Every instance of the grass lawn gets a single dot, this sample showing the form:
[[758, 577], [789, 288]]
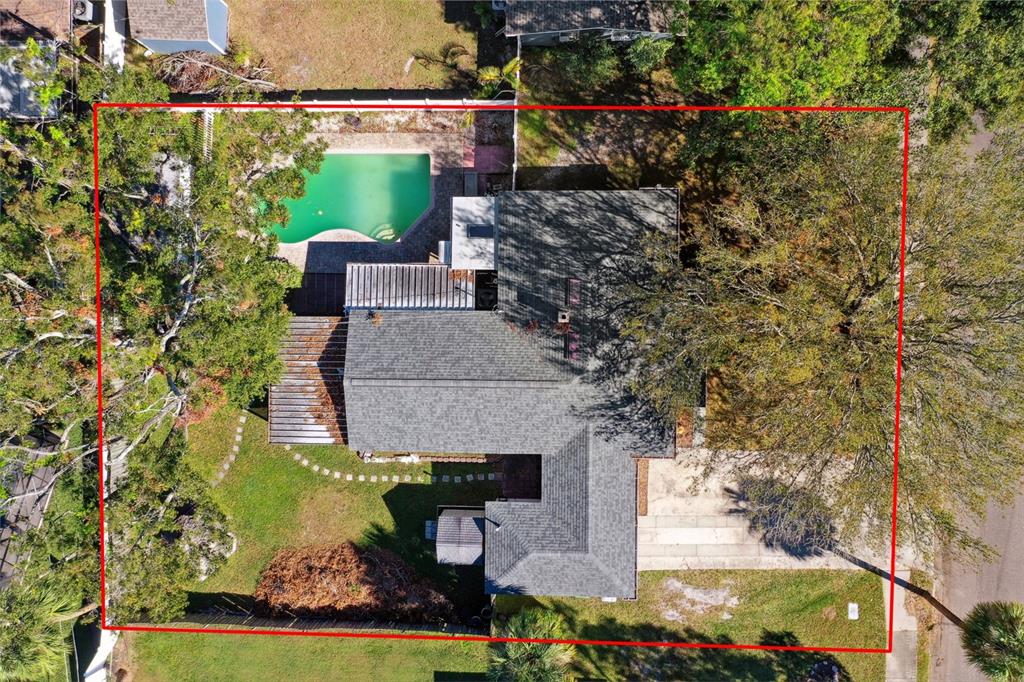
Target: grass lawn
[[215, 658], [800, 607], [311, 44], [273, 502]]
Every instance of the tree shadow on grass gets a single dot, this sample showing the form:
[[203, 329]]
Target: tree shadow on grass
[[698, 664], [411, 505]]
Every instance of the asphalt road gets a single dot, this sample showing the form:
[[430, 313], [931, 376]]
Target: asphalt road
[[963, 586]]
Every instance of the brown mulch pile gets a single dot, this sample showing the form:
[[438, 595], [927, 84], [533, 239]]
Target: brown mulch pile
[[684, 429], [642, 476], [349, 583]]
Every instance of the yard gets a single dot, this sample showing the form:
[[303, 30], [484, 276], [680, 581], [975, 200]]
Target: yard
[[186, 657], [800, 607], [588, 149], [325, 44], [273, 501]]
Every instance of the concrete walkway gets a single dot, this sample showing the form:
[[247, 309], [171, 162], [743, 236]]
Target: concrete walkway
[[700, 529], [901, 664]]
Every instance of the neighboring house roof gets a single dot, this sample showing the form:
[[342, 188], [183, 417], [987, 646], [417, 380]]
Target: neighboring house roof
[[460, 537], [523, 17], [179, 24], [39, 19], [505, 383]]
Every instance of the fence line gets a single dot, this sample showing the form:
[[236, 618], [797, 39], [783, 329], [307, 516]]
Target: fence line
[[250, 622], [372, 104]]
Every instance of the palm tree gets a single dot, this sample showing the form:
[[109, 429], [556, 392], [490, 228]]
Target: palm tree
[[492, 78], [993, 639], [33, 637], [527, 661]]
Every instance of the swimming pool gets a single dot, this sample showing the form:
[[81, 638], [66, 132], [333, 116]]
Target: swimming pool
[[377, 195]]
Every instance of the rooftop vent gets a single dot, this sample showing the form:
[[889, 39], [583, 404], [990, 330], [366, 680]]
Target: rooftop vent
[[563, 317]]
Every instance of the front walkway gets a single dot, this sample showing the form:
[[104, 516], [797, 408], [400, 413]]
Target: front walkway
[[701, 529], [901, 664]]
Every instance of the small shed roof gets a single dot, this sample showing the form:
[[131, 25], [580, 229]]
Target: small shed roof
[[460, 537]]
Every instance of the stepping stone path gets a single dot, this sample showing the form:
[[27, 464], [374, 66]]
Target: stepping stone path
[[406, 478], [225, 466]]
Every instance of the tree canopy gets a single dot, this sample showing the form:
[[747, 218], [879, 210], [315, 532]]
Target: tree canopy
[[993, 639], [782, 53], [35, 620], [192, 291], [165, 532], [790, 306], [523, 661], [976, 55]]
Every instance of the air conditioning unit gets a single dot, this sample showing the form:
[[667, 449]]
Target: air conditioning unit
[[567, 37], [85, 12]]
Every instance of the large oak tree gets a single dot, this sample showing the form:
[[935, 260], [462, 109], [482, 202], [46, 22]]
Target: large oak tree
[[790, 306]]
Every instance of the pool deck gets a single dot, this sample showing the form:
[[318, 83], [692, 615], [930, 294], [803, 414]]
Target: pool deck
[[330, 252]]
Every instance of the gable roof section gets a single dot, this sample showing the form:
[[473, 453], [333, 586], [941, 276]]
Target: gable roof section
[[37, 19], [580, 539], [596, 238], [453, 381], [523, 17]]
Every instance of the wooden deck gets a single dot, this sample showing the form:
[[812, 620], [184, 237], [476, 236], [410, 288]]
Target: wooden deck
[[308, 404]]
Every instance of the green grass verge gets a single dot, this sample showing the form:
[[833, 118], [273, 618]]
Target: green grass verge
[[927, 619], [800, 607], [214, 658]]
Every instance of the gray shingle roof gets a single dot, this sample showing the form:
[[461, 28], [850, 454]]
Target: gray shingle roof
[[500, 383], [524, 17], [168, 19], [592, 556], [460, 537]]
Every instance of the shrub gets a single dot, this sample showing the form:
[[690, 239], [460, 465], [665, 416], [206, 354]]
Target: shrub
[[526, 661], [647, 54], [590, 62]]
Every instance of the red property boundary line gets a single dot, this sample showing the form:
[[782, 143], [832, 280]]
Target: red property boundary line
[[520, 107]]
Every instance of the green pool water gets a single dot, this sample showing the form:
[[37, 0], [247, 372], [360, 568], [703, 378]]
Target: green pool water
[[379, 195]]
